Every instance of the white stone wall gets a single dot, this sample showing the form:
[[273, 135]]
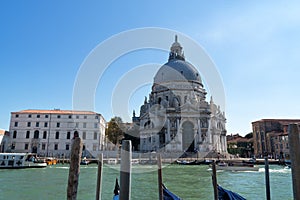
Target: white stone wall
[[91, 128]]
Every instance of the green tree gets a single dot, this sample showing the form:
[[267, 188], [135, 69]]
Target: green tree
[[249, 135], [114, 130]]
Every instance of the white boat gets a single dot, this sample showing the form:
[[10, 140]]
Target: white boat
[[135, 161], [20, 161], [112, 161], [236, 167]]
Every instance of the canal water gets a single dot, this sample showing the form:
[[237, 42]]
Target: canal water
[[188, 182]]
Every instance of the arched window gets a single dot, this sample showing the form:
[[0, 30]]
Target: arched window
[[15, 134], [36, 134]]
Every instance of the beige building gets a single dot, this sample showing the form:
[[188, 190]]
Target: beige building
[[50, 132], [271, 137]]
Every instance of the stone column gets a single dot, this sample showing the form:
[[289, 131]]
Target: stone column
[[168, 131], [199, 131]]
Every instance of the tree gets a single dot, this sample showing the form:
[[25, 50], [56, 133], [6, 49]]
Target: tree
[[249, 135], [114, 130]]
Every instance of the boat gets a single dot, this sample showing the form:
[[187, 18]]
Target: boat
[[168, 195], [186, 162], [51, 161], [20, 161], [135, 161], [227, 194], [193, 162], [112, 161], [236, 167], [84, 161]]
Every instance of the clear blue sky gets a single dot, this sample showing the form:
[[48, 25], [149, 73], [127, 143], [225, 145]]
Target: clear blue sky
[[255, 46]]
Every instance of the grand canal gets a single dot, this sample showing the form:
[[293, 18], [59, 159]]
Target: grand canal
[[188, 182]]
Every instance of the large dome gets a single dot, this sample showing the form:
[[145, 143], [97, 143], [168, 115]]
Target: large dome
[[177, 70]]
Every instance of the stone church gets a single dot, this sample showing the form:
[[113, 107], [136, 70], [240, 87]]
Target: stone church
[[176, 117]]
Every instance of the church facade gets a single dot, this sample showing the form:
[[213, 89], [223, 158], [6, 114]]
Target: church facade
[[176, 117]]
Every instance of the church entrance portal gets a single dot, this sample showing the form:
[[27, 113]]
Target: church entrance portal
[[188, 137]]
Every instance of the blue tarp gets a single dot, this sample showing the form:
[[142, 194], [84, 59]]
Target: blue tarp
[[169, 195], [224, 194]]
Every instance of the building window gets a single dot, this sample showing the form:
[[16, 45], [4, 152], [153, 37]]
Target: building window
[[77, 125], [70, 116], [13, 145], [84, 125], [67, 147], [27, 134], [95, 135], [58, 116], [96, 125], [43, 146], [37, 124], [29, 116], [55, 146], [77, 116], [38, 116], [46, 124], [26, 146], [57, 124], [17, 115], [44, 134], [28, 124], [15, 134], [84, 117], [68, 135], [96, 117], [94, 147], [46, 116], [16, 124], [57, 135], [84, 135], [36, 134]]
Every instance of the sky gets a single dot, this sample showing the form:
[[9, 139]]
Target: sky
[[254, 45]]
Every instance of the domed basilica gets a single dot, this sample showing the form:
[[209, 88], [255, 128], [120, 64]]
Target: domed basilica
[[176, 117]]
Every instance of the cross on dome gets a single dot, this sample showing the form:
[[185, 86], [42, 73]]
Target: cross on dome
[[176, 50]]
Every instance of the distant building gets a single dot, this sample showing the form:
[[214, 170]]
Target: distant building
[[177, 117], [240, 146], [50, 132], [271, 137]]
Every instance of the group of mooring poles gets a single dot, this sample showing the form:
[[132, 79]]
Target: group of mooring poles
[[74, 170], [294, 147], [125, 169]]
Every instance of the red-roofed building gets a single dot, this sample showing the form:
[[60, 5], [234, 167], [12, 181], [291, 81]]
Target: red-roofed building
[[240, 146]]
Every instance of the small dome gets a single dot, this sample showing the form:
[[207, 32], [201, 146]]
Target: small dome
[[177, 70]]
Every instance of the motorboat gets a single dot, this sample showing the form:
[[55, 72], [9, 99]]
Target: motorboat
[[84, 161], [236, 167], [20, 161]]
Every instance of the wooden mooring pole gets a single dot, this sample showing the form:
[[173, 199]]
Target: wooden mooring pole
[[74, 169], [214, 180], [125, 171], [294, 146], [159, 173], [267, 178], [99, 177]]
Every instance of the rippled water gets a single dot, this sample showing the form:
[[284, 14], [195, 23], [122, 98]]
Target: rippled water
[[188, 182]]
